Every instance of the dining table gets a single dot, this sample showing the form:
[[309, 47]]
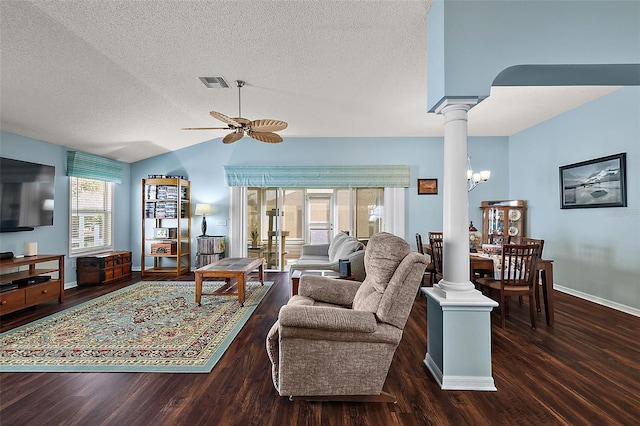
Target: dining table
[[483, 265]]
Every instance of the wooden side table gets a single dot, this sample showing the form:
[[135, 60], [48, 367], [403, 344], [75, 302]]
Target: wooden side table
[[210, 249], [255, 251]]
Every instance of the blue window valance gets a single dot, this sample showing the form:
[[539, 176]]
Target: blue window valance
[[89, 166], [318, 176]]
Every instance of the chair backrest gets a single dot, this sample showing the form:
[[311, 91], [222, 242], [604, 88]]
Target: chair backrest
[[394, 274], [436, 242], [419, 243], [527, 240], [518, 264]]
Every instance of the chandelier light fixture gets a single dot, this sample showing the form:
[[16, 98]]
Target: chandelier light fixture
[[474, 179]]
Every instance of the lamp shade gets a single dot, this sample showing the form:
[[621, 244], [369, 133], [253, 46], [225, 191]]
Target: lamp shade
[[47, 205], [203, 209]]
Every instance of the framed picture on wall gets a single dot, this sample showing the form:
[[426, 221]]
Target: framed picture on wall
[[601, 182], [427, 186]]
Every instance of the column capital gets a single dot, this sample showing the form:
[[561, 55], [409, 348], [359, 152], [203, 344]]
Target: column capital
[[448, 104]]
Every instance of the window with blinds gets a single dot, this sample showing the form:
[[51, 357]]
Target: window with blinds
[[91, 216]]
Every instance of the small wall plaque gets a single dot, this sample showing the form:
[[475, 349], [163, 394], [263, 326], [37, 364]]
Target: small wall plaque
[[427, 186]]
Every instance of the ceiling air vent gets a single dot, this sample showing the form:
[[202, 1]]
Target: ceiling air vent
[[214, 82]]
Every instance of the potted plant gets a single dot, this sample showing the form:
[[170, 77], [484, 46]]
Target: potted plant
[[254, 237]]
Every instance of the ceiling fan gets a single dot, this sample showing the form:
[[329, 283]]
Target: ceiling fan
[[261, 130]]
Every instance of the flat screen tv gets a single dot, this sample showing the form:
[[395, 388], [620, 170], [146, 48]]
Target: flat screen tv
[[26, 195]]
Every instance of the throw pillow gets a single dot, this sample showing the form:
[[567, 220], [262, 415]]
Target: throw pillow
[[336, 243], [346, 248]]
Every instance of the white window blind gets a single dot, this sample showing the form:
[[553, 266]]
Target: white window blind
[[91, 218]]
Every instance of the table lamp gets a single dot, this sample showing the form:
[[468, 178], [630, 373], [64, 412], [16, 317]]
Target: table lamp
[[203, 209]]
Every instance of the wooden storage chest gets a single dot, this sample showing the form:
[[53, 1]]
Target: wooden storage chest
[[104, 268]]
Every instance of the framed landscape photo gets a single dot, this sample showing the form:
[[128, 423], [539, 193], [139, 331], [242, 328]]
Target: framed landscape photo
[[427, 186], [601, 182]]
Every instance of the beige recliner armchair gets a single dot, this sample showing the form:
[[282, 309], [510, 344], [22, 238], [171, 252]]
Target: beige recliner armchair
[[335, 340]]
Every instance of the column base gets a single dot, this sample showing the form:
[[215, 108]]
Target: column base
[[459, 340], [474, 383], [457, 291]]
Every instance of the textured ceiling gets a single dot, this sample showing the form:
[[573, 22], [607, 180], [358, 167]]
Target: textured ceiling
[[120, 78]]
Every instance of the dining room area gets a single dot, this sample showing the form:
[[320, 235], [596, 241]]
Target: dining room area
[[503, 262]]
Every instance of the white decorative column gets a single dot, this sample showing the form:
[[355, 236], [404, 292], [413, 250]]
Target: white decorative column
[[455, 267], [458, 316]]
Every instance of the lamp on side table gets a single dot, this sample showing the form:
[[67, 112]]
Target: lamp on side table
[[203, 209]]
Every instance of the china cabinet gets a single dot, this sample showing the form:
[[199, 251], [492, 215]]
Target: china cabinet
[[502, 219]]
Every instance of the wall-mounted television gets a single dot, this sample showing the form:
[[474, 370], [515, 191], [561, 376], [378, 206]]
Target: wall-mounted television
[[26, 195]]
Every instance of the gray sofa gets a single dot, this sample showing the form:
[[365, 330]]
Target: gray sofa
[[327, 256]]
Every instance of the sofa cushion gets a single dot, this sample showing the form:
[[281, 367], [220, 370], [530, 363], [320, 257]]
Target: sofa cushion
[[347, 247], [336, 243], [313, 259]]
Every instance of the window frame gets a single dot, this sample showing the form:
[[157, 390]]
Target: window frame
[[109, 195]]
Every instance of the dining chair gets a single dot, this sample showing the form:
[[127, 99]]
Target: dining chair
[[436, 243], [514, 277], [430, 270], [536, 283]]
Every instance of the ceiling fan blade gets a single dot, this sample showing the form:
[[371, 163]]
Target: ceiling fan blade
[[242, 121], [206, 128], [234, 136], [266, 137], [267, 125], [230, 121]]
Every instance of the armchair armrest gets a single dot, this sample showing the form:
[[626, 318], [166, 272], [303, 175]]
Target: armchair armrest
[[328, 290], [314, 250], [324, 318]]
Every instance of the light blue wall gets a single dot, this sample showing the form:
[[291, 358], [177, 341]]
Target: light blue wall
[[596, 250], [203, 165], [55, 239], [470, 42]]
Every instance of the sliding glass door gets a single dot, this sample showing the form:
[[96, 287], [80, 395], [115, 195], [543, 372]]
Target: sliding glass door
[[280, 220], [319, 223]]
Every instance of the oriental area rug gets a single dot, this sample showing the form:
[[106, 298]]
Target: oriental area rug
[[146, 327]]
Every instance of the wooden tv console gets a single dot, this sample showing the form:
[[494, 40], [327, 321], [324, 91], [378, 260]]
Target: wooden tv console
[[27, 295]]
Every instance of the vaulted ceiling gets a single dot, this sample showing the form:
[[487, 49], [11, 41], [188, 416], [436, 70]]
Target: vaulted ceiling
[[121, 78]]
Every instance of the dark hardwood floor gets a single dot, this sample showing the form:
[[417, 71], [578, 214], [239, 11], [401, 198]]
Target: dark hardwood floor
[[585, 370]]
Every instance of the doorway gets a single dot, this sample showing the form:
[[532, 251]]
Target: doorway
[[319, 226]]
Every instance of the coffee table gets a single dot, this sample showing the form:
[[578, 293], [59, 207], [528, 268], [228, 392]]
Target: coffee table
[[230, 268], [329, 273]]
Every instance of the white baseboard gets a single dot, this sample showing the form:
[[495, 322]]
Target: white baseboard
[[600, 301]]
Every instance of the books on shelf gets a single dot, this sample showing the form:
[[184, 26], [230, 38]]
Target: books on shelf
[[162, 210]]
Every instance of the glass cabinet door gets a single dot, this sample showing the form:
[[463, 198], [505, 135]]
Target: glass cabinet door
[[514, 228], [502, 219]]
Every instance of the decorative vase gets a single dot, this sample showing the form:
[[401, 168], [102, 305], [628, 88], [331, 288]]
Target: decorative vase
[[475, 239]]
